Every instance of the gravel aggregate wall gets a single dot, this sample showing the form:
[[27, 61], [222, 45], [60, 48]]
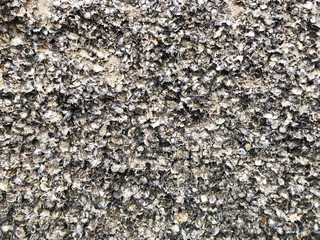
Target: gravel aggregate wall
[[160, 119]]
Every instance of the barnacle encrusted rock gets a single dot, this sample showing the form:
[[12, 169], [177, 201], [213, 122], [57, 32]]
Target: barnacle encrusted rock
[[159, 119]]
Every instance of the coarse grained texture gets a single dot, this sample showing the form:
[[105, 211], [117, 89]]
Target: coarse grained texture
[[146, 119]]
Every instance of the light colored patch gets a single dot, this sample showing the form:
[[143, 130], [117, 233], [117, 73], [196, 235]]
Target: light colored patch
[[17, 40], [235, 10], [186, 44], [1, 80], [101, 53], [4, 185], [42, 7], [316, 72], [181, 217], [110, 67], [133, 12], [113, 77], [83, 53], [4, 39]]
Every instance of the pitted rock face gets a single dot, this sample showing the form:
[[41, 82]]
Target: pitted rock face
[[159, 119]]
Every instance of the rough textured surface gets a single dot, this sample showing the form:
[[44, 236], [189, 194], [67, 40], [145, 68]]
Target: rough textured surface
[[159, 119]]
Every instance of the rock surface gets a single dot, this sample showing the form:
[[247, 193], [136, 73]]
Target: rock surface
[[151, 119]]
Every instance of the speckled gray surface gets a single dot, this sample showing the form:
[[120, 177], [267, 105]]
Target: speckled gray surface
[[150, 119]]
